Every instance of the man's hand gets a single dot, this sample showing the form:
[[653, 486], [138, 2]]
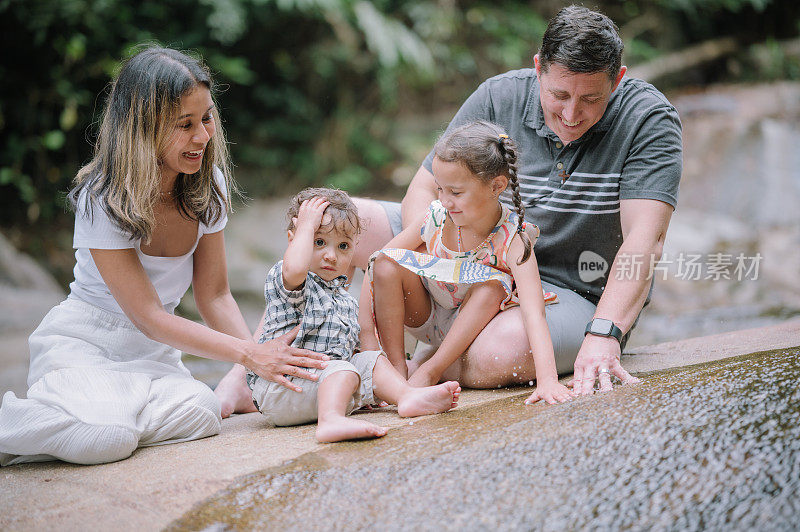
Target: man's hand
[[598, 359]]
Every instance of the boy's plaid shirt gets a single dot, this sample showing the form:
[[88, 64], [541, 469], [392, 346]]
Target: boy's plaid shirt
[[326, 312]]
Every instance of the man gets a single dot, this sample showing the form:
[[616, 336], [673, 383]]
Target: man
[[600, 159]]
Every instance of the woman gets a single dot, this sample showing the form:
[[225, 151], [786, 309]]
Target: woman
[[106, 374]]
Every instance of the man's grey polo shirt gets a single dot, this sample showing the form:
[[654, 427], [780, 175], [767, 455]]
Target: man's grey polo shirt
[[572, 192]]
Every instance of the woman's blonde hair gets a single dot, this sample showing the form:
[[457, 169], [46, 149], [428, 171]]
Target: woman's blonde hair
[[124, 176]]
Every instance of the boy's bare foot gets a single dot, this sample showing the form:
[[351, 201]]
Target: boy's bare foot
[[429, 400], [347, 428], [233, 393]]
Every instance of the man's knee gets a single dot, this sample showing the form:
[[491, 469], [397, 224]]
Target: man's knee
[[376, 231], [507, 325], [499, 351]]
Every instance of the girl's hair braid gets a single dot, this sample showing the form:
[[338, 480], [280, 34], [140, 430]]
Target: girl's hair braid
[[508, 149], [486, 151]]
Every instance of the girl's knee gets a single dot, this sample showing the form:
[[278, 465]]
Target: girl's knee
[[384, 269], [499, 352], [490, 292]]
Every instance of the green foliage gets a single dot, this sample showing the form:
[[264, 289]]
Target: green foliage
[[711, 6], [313, 91], [287, 67]]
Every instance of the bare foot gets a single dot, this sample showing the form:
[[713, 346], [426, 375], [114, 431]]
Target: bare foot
[[347, 428], [429, 400], [233, 393]]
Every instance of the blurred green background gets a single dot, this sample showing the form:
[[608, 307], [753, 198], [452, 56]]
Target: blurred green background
[[340, 92]]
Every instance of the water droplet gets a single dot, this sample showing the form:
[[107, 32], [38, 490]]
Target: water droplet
[[530, 383], [514, 373]]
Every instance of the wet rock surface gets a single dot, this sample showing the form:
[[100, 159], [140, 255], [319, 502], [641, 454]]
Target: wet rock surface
[[712, 446]]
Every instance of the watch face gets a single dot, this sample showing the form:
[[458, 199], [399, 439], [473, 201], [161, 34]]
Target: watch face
[[601, 326]]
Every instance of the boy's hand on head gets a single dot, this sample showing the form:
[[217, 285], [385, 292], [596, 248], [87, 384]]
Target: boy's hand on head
[[298, 255], [309, 217]]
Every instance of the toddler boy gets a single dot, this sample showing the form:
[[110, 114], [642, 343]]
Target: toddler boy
[[308, 287]]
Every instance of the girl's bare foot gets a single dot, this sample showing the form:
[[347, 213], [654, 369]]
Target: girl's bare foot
[[429, 400], [339, 428], [233, 393]]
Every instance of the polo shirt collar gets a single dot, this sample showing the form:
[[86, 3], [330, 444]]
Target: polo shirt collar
[[534, 114]]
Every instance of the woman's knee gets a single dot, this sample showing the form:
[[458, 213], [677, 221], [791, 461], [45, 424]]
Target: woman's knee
[[204, 397], [181, 409], [97, 444], [203, 403]]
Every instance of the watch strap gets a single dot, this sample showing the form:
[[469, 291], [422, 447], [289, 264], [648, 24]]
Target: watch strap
[[615, 332]]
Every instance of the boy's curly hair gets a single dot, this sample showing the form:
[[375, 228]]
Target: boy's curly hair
[[343, 212]]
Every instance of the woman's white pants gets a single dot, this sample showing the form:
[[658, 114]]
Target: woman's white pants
[[98, 389]]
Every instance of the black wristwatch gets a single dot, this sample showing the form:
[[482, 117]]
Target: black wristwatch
[[603, 327]]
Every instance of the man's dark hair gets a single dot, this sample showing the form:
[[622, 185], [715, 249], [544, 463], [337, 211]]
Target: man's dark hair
[[582, 41]]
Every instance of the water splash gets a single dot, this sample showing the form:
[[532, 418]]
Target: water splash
[[713, 446]]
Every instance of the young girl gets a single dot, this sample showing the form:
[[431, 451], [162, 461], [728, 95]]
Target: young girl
[[478, 262], [106, 374]]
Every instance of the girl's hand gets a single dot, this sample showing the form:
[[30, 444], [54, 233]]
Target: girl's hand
[[309, 217], [551, 392], [274, 359]]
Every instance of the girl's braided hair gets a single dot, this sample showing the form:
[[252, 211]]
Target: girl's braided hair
[[486, 151]]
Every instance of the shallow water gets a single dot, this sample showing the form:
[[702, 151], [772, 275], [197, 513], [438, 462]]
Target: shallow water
[[713, 446]]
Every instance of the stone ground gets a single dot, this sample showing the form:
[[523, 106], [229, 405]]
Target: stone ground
[[159, 484]]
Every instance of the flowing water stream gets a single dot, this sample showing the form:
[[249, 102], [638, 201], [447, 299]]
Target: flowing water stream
[[714, 446]]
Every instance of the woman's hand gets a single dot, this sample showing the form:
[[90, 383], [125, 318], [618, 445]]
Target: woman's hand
[[275, 359], [551, 392]]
